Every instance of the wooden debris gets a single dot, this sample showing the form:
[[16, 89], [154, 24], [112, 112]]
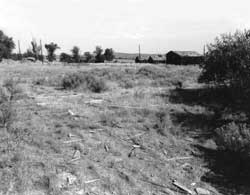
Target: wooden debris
[[94, 101], [182, 187], [106, 147], [136, 146], [96, 130], [72, 141], [201, 191], [131, 152], [41, 104], [71, 113], [71, 135], [179, 158], [75, 159], [77, 154], [166, 190], [91, 181], [164, 152]]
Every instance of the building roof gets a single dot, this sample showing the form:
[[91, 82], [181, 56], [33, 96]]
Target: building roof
[[187, 53], [158, 57]]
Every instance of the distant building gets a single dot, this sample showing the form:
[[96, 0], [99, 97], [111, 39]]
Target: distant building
[[157, 59], [151, 58], [183, 57]]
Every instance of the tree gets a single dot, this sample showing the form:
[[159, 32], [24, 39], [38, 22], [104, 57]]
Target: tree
[[88, 56], [227, 61], [51, 48], [137, 59], [64, 57], [36, 49], [99, 57], [6, 46], [109, 54], [76, 54]]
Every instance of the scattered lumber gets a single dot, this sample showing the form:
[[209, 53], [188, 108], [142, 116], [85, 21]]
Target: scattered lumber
[[182, 187], [201, 191], [71, 135], [72, 141], [179, 158], [91, 181], [106, 147]]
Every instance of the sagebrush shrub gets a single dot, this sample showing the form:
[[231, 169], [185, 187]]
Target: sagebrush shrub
[[12, 87], [81, 80], [95, 84], [234, 137]]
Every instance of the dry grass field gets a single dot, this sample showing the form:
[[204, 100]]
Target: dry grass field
[[118, 129]]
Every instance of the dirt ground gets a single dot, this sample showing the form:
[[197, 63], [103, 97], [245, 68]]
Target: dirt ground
[[134, 138]]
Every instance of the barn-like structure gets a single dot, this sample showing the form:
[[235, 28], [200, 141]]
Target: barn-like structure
[[183, 57], [157, 59]]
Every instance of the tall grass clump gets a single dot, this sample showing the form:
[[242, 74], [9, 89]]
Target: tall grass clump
[[9, 91], [83, 81]]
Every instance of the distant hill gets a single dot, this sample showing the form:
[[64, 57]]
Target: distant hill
[[132, 56]]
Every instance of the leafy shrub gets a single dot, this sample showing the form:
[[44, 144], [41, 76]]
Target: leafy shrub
[[234, 137], [109, 54], [94, 84], [77, 80], [65, 58], [227, 60], [51, 48], [99, 57], [76, 54], [88, 57], [6, 46]]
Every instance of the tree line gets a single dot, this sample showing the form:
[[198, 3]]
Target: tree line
[[34, 53]]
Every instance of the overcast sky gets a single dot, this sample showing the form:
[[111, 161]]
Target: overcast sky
[[158, 25]]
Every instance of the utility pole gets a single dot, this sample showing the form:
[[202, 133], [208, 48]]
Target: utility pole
[[19, 51], [139, 52], [41, 49], [204, 50]]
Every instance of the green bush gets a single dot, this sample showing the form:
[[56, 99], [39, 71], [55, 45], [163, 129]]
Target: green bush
[[227, 61], [6, 46], [81, 80], [51, 48], [76, 54], [109, 54], [64, 57]]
